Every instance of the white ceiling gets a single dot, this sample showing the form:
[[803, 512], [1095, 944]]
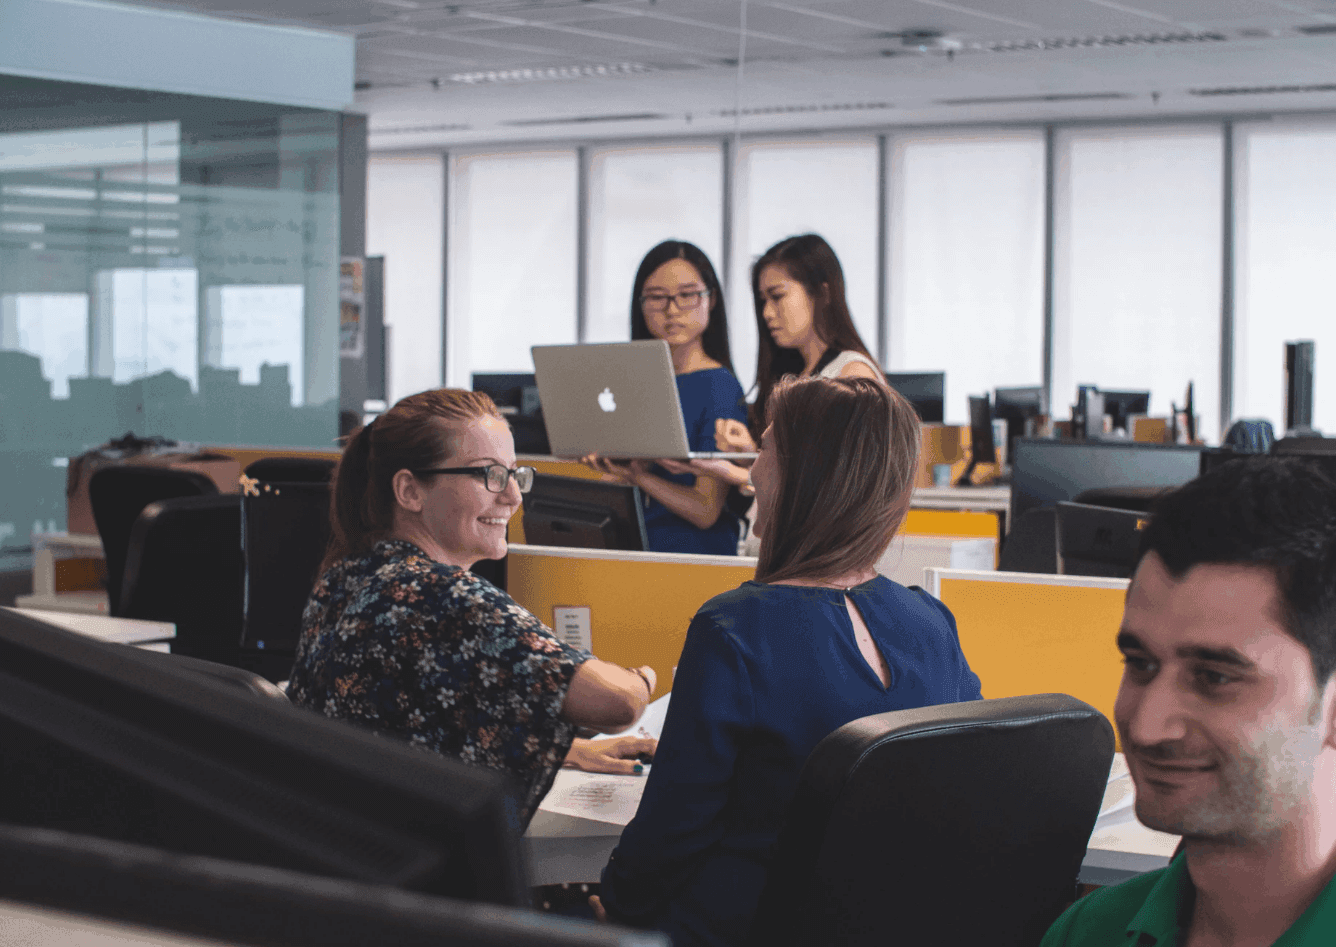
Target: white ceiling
[[636, 68]]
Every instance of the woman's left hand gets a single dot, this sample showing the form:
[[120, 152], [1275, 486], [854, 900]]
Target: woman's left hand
[[617, 755], [600, 912], [625, 473]]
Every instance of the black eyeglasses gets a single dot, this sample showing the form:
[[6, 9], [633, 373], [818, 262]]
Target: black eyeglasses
[[494, 476], [689, 299]]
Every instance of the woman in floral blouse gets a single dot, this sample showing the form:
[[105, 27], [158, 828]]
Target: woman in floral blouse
[[398, 635]]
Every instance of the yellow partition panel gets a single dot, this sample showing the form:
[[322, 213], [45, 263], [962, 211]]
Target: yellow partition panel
[[640, 603], [1029, 636], [951, 523]]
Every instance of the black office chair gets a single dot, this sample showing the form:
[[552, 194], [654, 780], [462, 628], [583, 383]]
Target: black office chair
[[183, 565], [227, 675], [284, 530], [955, 826], [1031, 543], [292, 470], [118, 494]]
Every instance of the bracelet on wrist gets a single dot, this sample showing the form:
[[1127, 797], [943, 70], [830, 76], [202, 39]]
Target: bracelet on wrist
[[640, 673]]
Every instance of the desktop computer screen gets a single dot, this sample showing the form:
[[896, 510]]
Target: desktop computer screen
[[1098, 540], [102, 740], [1121, 405], [1018, 406], [926, 391], [1046, 471], [516, 396], [589, 514]]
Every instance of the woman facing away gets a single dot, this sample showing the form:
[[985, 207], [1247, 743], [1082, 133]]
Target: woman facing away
[[770, 669], [676, 298], [399, 636]]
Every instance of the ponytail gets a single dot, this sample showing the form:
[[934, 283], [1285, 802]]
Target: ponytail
[[412, 435]]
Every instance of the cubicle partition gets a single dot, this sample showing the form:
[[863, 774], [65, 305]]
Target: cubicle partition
[[1035, 634]]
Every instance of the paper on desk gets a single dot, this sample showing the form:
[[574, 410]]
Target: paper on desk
[[1119, 796], [598, 796], [650, 723]]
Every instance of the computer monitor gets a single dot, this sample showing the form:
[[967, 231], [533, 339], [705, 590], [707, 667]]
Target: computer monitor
[[1121, 405], [982, 448], [1019, 407], [1045, 471], [516, 396], [59, 888], [103, 740], [589, 514], [1299, 358], [926, 391], [1098, 540], [1088, 419]]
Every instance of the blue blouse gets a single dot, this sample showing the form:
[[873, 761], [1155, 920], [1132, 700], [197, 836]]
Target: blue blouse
[[767, 672], [705, 395]]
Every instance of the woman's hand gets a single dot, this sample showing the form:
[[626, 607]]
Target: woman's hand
[[620, 755], [731, 435], [600, 912], [631, 473]]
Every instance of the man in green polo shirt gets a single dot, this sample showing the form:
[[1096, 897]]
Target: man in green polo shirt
[[1227, 714]]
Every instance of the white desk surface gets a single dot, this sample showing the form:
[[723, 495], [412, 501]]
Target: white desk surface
[[133, 631], [988, 499], [564, 848]]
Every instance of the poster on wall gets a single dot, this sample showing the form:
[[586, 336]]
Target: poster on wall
[[352, 302]]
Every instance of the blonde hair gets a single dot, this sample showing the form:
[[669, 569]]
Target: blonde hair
[[415, 434], [847, 453]]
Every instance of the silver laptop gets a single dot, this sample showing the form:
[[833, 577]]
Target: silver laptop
[[618, 400]]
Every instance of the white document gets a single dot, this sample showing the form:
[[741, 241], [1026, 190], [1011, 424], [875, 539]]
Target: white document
[[650, 724], [598, 796]]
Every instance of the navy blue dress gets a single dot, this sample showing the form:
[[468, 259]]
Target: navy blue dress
[[767, 672], [705, 395]]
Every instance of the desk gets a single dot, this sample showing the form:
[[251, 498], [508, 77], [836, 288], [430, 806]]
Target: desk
[[988, 499], [152, 635], [564, 848]]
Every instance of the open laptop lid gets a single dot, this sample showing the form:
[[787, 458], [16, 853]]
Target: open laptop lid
[[615, 399]]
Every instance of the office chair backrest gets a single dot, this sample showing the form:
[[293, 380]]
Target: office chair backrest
[[284, 529], [183, 565], [118, 494], [291, 470], [227, 675], [955, 826], [1030, 545]]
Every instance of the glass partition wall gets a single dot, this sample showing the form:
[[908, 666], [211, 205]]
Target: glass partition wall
[[168, 267]]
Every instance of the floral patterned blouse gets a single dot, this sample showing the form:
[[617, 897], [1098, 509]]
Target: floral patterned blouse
[[432, 653]]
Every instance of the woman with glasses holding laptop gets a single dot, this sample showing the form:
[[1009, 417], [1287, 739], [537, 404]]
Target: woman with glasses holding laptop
[[400, 636], [677, 298], [768, 670]]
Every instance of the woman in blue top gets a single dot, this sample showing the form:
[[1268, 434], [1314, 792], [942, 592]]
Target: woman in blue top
[[677, 298], [769, 669]]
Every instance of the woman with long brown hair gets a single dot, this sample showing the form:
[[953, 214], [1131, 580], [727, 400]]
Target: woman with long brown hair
[[400, 636], [768, 670]]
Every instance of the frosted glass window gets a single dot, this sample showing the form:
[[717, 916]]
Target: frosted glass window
[[512, 260], [1137, 272], [52, 326], [1286, 253], [966, 261], [146, 322], [638, 199], [250, 327], [823, 187]]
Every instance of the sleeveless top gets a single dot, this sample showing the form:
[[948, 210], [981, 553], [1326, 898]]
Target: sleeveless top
[[841, 361]]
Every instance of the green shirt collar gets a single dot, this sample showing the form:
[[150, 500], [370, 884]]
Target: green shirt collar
[[1165, 913]]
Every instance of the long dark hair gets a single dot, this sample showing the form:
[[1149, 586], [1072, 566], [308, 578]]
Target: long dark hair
[[714, 340], [847, 454], [414, 434], [809, 260]]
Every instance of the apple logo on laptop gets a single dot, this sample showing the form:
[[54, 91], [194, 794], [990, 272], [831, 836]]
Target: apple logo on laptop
[[606, 401]]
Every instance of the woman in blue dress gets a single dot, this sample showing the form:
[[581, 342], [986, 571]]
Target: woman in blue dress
[[677, 298], [770, 669]]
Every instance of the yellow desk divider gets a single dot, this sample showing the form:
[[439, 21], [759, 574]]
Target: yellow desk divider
[[950, 523], [1024, 633], [640, 602]]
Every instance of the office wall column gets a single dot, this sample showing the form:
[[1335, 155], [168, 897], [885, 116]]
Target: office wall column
[[581, 243], [726, 254], [446, 204], [883, 232], [1227, 282], [1050, 258]]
